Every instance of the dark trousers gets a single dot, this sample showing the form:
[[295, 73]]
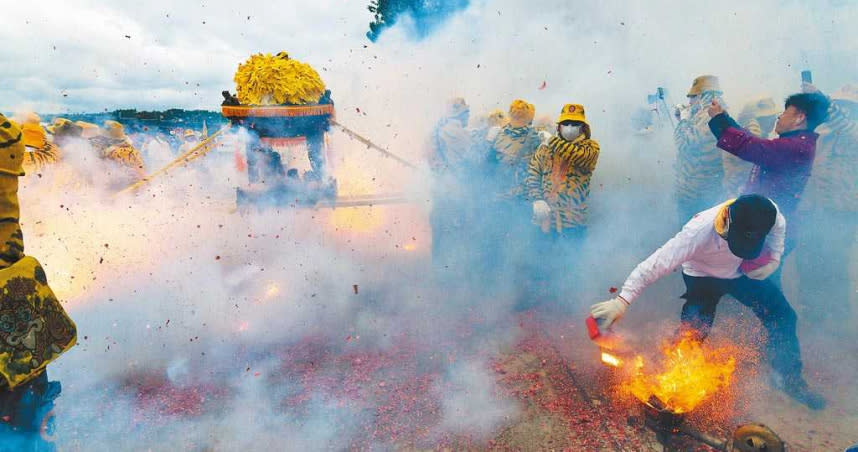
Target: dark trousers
[[765, 300], [504, 241], [553, 267]]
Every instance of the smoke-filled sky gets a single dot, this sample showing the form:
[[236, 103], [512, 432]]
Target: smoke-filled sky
[[173, 281], [87, 55]]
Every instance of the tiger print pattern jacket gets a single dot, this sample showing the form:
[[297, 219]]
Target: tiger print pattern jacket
[[559, 173], [833, 183], [699, 171], [509, 157]]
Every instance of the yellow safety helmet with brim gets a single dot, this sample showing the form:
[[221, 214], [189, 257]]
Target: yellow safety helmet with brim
[[521, 113], [573, 112], [703, 84], [114, 129]]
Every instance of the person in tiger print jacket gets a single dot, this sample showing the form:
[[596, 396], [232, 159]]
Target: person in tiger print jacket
[[558, 185], [699, 171], [505, 214], [512, 147], [112, 144], [41, 153], [558, 177]]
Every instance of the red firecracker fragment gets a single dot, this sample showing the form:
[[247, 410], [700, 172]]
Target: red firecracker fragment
[[612, 290], [355, 288], [543, 85]]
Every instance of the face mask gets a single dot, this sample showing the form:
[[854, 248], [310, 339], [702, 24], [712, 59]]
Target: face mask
[[569, 132]]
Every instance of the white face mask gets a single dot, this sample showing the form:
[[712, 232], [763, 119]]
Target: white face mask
[[569, 131]]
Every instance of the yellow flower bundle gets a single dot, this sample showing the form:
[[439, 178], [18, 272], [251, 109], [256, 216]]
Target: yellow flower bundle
[[276, 80]]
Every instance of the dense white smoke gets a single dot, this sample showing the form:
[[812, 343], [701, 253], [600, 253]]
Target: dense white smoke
[[171, 283]]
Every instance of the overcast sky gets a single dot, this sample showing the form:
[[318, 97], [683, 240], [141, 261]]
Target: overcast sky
[[79, 55], [89, 55]]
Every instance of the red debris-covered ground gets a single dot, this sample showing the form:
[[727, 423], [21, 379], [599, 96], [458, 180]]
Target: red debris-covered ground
[[394, 395]]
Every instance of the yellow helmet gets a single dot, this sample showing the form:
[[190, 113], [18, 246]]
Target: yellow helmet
[[573, 112], [34, 135], [704, 83], [58, 124], [114, 129], [88, 129], [11, 148], [64, 127], [496, 118], [521, 113], [846, 92], [189, 133]]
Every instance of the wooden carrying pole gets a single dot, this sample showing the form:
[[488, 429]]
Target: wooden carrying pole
[[188, 156], [372, 145]]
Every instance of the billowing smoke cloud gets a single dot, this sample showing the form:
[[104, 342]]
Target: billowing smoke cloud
[[424, 15], [205, 327]]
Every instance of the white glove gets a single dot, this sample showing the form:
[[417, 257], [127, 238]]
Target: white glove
[[541, 210], [609, 311], [544, 136], [763, 272], [682, 112], [492, 133]]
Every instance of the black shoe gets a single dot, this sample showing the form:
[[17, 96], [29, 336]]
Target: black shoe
[[797, 388]]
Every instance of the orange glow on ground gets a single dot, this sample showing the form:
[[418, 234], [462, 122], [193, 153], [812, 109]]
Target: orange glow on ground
[[687, 375]]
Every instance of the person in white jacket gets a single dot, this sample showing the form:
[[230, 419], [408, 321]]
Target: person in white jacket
[[731, 248]]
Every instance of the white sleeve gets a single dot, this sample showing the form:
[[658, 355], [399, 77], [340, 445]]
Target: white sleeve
[[775, 239], [664, 260]]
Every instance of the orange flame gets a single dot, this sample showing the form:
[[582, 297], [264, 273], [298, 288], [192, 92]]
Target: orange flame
[[689, 375], [611, 360]]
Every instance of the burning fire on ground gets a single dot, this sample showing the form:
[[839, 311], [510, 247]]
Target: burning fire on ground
[[686, 375]]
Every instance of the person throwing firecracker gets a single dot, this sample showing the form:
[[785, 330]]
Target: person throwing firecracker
[[729, 249]]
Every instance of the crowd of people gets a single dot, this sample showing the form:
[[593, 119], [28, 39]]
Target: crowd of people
[[749, 191], [511, 187], [127, 156]]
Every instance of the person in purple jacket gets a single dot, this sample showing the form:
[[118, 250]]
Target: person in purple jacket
[[782, 165]]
